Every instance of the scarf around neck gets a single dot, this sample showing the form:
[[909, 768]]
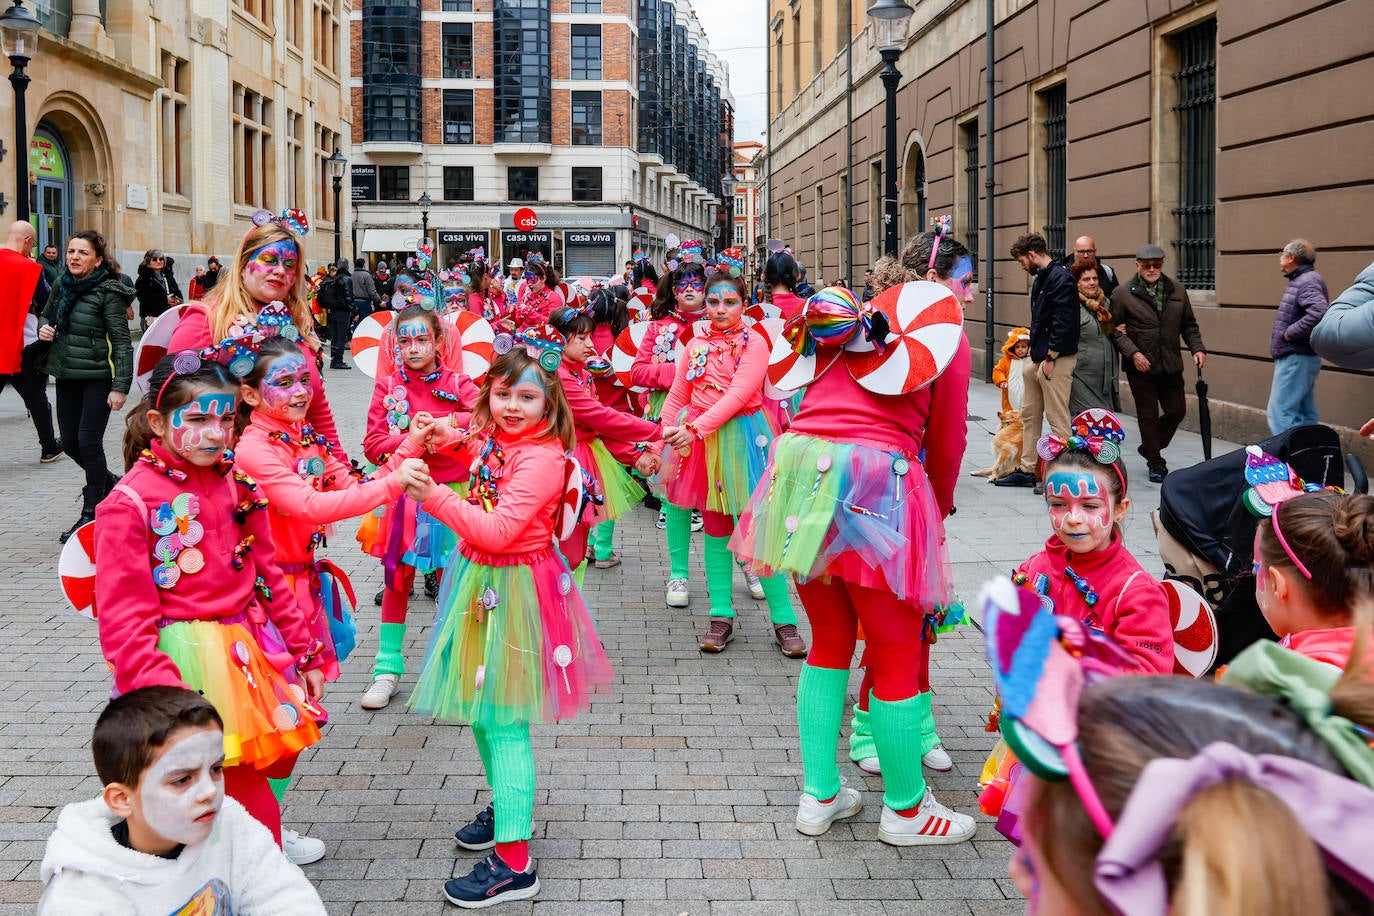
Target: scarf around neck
[[68, 290]]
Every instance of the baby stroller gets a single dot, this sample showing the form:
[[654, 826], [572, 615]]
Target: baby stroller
[[1206, 535]]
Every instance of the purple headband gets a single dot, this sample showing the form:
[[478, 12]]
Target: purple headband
[[1334, 810]]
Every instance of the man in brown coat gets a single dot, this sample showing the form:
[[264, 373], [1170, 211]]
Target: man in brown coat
[[1152, 312]]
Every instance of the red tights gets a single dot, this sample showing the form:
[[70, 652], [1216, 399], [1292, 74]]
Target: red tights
[[898, 659], [249, 787], [395, 600], [718, 524]]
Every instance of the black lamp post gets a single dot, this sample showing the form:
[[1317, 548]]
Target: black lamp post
[[337, 164], [19, 33], [890, 22], [425, 202]]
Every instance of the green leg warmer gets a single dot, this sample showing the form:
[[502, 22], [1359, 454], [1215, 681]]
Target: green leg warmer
[[679, 533], [479, 736], [720, 577], [897, 731], [279, 786], [820, 710], [603, 539], [928, 736], [780, 608], [861, 745], [512, 779], [578, 573], [391, 656]]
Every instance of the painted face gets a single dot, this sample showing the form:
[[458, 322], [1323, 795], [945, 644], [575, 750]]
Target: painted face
[[285, 388], [690, 292], [519, 409], [960, 280], [724, 306], [417, 342], [579, 348], [200, 430], [271, 271], [1081, 510], [180, 794]]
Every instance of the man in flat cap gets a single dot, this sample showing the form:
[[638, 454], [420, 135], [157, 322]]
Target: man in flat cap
[[1152, 312]]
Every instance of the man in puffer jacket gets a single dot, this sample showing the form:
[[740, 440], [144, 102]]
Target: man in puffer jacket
[[1291, 398]]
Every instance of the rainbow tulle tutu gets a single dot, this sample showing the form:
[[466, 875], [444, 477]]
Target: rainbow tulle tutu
[[512, 642], [404, 532], [325, 596], [721, 471], [654, 406], [613, 481], [266, 714], [864, 514]]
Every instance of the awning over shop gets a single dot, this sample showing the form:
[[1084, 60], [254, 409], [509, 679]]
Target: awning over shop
[[389, 239]]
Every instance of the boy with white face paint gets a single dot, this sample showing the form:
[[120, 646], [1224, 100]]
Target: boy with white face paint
[[162, 837]]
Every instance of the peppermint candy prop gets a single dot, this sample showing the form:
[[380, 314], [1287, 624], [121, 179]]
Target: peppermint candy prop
[[367, 339], [573, 502], [1196, 637], [153, 345], [641, 301], [76, 570], [625, 350], [471, 340], [926, 325]]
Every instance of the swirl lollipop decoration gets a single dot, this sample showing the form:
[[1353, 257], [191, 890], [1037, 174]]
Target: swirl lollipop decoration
[[292, 218]]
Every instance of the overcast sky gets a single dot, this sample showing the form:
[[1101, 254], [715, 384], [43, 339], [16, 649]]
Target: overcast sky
[[737, 31]]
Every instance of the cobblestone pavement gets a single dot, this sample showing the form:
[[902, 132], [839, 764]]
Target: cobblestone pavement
[[676, 794]]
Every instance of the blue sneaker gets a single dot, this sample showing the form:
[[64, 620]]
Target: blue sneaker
[[490, 882], [481, 833]]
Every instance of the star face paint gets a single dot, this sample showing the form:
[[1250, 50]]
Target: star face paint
[[271, 271], [518, 409], [724, 306], [180, 794], [1081, 510], [200, 430], [418, 346], [285, 388]]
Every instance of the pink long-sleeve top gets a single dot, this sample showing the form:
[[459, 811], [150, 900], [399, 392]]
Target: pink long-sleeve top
[[529, 491], [130, 602], [300, 504], [193, 333], [1331, 645], [608, 390], [593, 420], [731, 382], [439, 394], [933, 419], [652, 370], [1132, 607], [790, 304]]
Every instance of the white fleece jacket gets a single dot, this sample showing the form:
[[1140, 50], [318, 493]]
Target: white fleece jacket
[[238, 870]]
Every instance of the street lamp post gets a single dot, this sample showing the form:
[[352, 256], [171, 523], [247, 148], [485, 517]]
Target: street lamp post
[[890, 22], [337, 164], [19, 33], [425, 202]]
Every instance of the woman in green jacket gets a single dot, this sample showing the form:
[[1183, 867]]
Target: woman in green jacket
[[92, 360]]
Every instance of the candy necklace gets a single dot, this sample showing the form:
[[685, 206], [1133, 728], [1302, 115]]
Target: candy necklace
[[484, 476], [161, 466]]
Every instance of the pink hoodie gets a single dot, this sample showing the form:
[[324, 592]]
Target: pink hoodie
[[448, 392], [1331, 645]]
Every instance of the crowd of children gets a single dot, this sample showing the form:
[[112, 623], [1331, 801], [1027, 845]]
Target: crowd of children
[[1182, 796]]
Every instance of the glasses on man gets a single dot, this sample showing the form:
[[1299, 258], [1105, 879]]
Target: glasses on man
[[1152, 264]]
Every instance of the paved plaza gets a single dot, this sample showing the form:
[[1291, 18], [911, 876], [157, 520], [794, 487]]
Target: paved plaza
[[676, 794]]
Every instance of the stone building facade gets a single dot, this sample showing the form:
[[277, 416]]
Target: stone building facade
[[1217, 129]]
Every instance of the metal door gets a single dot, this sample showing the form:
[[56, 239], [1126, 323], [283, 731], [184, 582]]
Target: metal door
[[54, 213]]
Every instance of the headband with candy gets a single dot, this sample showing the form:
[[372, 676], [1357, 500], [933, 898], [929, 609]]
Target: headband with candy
[[533, 257], [639, 255], [1272, 483], [833, 318], [291, 219], [478, 254], [943, 225], [1095, 431], [732, 261], [239, 351], [544, 344], [689, 251]]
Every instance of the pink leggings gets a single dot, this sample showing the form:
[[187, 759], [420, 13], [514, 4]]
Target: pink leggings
[[249, 787], [898, 658]]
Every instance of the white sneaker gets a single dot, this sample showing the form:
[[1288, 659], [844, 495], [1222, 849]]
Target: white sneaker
[[301, 850], [815, 817], [933, 825], [755, 586], [677, 594], [871, 766], [383, 688], [937, 758], [662, 521], [697, 523]]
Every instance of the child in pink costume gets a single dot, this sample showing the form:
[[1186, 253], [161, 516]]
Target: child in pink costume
[[611, 313], [207, 608], [307, 488], [409, 538], [607, 439], [720, 436]]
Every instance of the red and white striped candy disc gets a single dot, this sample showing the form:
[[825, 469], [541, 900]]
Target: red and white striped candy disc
[[641, 300], [788, 370], [1196, 639], [367, 345], [469, 348], [570, 506], [76, 569], [926, 324], [760, 311], [770, 329], [153, 345], [626, 349]]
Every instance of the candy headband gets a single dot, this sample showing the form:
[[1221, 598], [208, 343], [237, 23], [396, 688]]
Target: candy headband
[[543, 344], [239, 351], [732, 262], [1095, 431], [689, 251], [943, 226], [291, 219], [1272, 483]]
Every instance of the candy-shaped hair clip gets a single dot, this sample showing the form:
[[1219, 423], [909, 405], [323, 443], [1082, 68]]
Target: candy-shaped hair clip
[[1095, 431], [292, 218]]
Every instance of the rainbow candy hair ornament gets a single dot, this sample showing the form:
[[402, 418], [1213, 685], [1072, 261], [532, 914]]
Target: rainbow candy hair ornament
[[731, 261], [690, 251], [292, 219], [544, 344], [239, 351], [478, 254], [832, 318]]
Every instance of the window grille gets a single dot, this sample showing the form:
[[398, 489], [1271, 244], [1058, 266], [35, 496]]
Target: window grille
[[1196, 110], [1056, 144]]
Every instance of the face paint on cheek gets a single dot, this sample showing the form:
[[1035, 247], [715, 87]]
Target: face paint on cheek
[[285, 382], [1073, 489], [186, 437], [185, 813], [283, 254]]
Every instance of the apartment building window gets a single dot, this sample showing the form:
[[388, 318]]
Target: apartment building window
[[327, 142], [1196, 110], [586, 183], [649, 68], [777, 66], [393, 182], [796, 51], [586, 6], [457, 6], [739, 234], [817, 224], [176, 126], [253, 165], [457, 50], [260, 10], [458, 183], [739, 205], [391, 71], [586, 119], [295, 22], [523, 83], [968, 132], [327, 35], [586, 52], [1054, 145], [817, 35], [458, 116], [522, 182], [295, 158]]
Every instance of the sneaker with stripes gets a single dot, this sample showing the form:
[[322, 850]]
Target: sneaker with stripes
[[932, 825]]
